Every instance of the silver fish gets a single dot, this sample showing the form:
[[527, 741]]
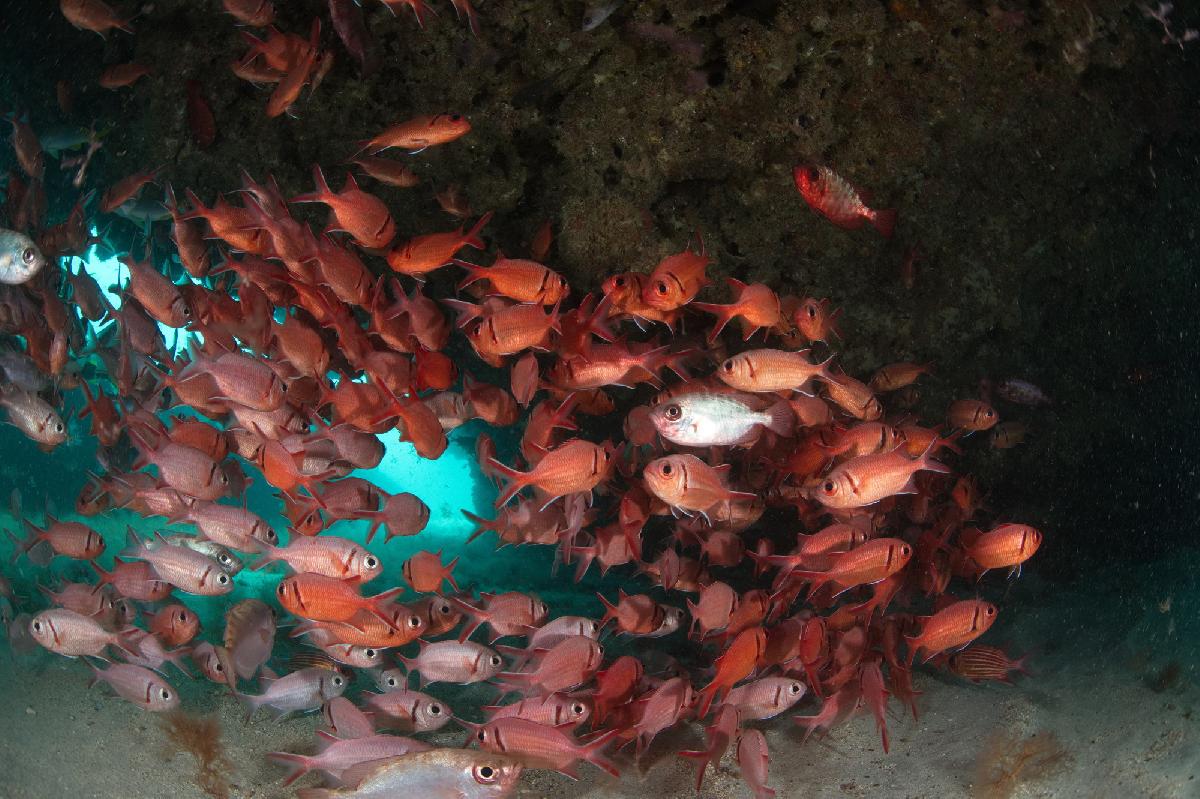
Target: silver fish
[[230, 562], [433, 774], [596, 14], [138, 685], [298, 692], [718, 420], [33, 416], [20, 258]]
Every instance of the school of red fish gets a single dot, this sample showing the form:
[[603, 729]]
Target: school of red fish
[[311, 343]]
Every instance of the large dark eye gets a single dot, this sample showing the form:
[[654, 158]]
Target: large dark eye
[[905, 550], [991, 611], [37, 626], [828, 487], [577, 709], [224, 559], [165, 693], [436, 710], [496, 660], [482, 736], [812, 312], [990, 413], [477, 329], [280, 589], [414, 621], [272, 538], [222, 579], [666, 469], [370, 563], [29, 255], [58, 427], [391, 681], [794, 687], [728, 365], [661, 287], [455, 117], [370, 653], [486, 772], [218, 668], [337, 682], [673, 412], [183, 617], [619, 282]]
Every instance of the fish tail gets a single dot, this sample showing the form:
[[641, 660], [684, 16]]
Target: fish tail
[[297, 765], [593, 753], [482, 525], [782, 421], [517, 481], [702, 758], [22, 547], [914, 644], [724, 313], [271, 555], [472, 238], [884, 221], [314, 793], [475, 272], [322, 188]]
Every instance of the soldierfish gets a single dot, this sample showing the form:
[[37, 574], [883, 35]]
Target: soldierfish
[[769, 370], [408, 710], [953, 626], [66, 632], [182, 567], [830, 195], [138, 685], [453, 661], [337, 755], [574, 467], [299, 692]]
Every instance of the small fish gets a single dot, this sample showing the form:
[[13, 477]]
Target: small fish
[[754, 759], [868, 479], [541, 746], [93, 15], [1022, 392], [769, 370], [830, 195], [424, 572], [138, 685], [1007, 435], [418, 133], [119, 76], [340, 754], [299, 692], [689, 484], [951, 627], [972, 415], [20, 258], [982, 662], [453, 661], [407, 710], [596, 14]]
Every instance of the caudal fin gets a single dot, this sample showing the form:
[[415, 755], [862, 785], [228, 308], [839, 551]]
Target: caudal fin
[[297, 765], [885, 222]]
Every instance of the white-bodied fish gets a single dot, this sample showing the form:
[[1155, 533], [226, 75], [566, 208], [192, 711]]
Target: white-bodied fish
[[20, 258], [140, 686], [298, 692], [705, 419], [433, 774]]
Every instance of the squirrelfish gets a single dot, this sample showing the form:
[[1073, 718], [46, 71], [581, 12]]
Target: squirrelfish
[[704, 419]]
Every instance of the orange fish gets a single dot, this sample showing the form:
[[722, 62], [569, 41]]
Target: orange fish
[[735, 664], [423, 254], [174, 625], [200, 116], [689, 484], [756, 304], [126, 189], [320, 598], [1009, 545], [539, 248], [951, 627], [830, 195], [424, 572], [854, 397], [972, 415], [771, 370], [390, 173], [867, 479], [419, 133], [93, 15], [981, 662], [814, 321], [867, 564], [520, 280], [362, 215], [256, 13], [896, 376], [676, 280], [575, 467], [119, 76]]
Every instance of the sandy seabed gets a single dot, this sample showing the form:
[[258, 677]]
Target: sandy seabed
[[1094, 688]]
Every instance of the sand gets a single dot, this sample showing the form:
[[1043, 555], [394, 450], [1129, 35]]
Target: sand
[[1098, 687]]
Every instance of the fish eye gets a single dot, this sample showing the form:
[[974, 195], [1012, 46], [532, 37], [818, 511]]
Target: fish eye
[[495, 660], [728, 365], [222, 578], [829, 487], [272, 537], [989, 413], [370, 563], [165, 693], [218, 668], [414, 621], [183, 617], [483, 737], [337, 681], [811, 311], [370, 653], [29, 255], [619, 282], [666, 469], [673, 412], [577, 709], [455, 117], [436, 710], [595, 627], [485, 773], [477, 328], [991, 610], [661, 287], [905, 549], [37, 626], [280, 589], [58, 427], [391, 681], [224, 559], [794, 687]]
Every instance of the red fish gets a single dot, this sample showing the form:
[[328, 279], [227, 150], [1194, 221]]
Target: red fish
[[118, 76], [200, 120], [362, 215], [830, 195], [953, 626], [93, 15], [419, 133]]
